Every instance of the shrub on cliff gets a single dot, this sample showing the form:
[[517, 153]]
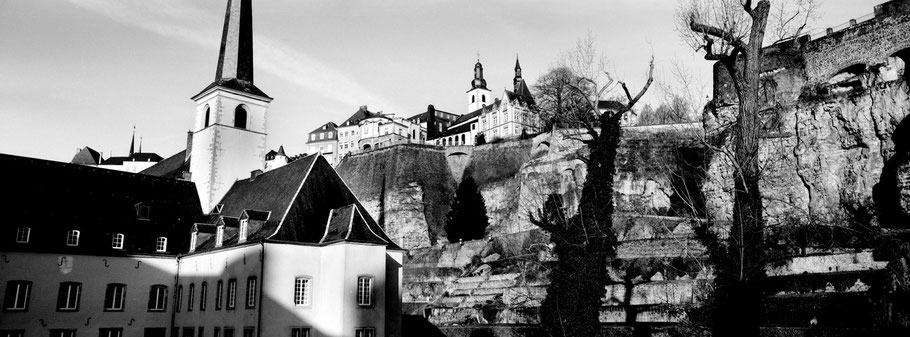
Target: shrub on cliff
[[467, 219]]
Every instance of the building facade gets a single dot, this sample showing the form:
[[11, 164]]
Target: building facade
[[324, 140]]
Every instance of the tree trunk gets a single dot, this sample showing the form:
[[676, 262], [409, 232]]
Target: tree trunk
[[739, 307]]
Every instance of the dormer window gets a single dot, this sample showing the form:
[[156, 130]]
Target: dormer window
[[23, 234], [244, 227], [72, 238], [217, 209], [117, 241], [219, 236], [143, 212], [161, 244]]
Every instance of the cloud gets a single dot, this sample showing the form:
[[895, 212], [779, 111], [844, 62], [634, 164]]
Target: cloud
[[194, 25]]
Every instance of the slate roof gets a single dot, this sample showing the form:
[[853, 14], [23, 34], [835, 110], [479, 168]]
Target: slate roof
[[456, 130], [138, 156], [52, 198], [172, 167], [358, 116], [348, 224], [293, 203], [234, 84], [86, 156], [330, 126], [522, 94]]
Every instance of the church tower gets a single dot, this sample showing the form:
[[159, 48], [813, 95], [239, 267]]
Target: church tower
[[228, 138], [479, 96], [516, 81]]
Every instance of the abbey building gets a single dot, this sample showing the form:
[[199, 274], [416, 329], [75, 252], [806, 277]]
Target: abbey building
[[203, 243]]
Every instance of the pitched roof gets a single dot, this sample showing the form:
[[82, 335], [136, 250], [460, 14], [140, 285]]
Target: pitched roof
[[348, 224], [86, 156], [358, 116], [456, 130], [138, 156], [293, 203], [330, 126], [53, 198], [236, 85], [172, 167], [522, 94]]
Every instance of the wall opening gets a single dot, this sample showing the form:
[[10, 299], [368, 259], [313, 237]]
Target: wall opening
[[240, 117]]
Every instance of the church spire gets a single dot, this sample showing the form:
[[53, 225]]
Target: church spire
[[235, 60], [133, 142], [516, 81]]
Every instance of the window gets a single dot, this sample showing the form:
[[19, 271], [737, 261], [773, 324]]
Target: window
[[117, 241], [219, 294], [313, 136], [240, 117], [300, 332], [143, 212], [321, 135], [364, 290], [68, 296], [251, 292], [12, 333], [473, 98], [189, 331], [22, 235], [178, 297], [154, 332], [483, 98], [201, 330], [203, 295], [63, 332], [249, 331], [206, 117], [232, 294], [189, 298], [113, 297], [161, 244], [17, 295], [365, 332], [301, 291], [110, 332], [72, 238], [228, 331], [217, 332], [158, 298]]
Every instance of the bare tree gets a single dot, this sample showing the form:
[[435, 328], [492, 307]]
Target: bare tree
[[732, 32], [586, 241]]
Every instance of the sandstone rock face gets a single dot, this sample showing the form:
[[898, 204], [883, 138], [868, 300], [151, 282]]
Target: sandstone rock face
[[822, 162]]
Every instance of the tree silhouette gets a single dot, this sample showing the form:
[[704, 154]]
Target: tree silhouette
[[467, 219]]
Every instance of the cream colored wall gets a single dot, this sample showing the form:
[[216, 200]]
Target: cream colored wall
[[232, 263], [46, 272], [221, 153], [333, 269], [394, 276]]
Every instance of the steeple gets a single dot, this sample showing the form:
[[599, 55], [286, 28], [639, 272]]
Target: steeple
[[516, 81], [478, 81], [235, 60], [235, 57], [133, 142]]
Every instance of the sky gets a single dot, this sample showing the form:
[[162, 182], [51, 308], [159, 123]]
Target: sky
[[76, 73]]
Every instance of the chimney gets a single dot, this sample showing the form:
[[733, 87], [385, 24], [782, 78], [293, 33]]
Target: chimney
[[219, 236], [431, 122], [189, 146]]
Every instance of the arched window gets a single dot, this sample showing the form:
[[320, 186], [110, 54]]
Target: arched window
[[240, 117], [206, 117], [483, 98], [473, 98], [462, 139]]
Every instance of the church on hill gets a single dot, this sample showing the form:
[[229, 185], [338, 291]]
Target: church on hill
[[507, 117], [203, 243]]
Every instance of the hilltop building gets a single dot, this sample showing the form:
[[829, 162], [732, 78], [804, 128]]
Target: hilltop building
[[204, 243], [134, 162], [508, 116], [365, 130], [324, 140]]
